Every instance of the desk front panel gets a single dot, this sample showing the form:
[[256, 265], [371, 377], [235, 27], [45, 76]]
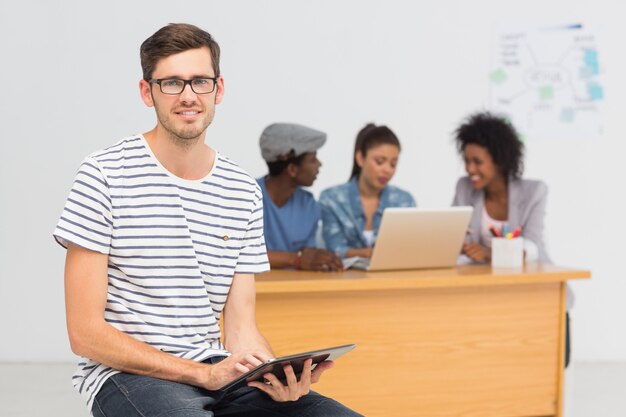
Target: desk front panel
[[468, 352]]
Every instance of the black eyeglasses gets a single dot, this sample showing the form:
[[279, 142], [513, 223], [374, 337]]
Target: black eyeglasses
[[176, 85]]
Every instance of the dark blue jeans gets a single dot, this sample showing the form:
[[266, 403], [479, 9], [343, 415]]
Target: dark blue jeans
[[127, 395]]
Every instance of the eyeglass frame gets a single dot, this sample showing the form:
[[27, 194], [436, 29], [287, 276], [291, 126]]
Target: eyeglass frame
[[185, 83]]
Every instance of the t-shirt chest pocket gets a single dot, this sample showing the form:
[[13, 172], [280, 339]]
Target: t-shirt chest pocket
[[226, 238], [218, 248]]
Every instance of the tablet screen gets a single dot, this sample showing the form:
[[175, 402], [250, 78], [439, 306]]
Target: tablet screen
[[275, 366]]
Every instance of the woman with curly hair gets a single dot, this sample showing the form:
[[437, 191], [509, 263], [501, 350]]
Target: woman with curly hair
[[493, 156]]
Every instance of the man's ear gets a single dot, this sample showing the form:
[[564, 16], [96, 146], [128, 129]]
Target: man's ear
[[220, 90], [145, 91], [292, 170]]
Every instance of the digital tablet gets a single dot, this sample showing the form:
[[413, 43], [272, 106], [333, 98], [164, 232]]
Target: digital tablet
[[275, 365]]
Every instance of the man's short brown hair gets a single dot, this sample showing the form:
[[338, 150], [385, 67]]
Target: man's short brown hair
[[172, 39]]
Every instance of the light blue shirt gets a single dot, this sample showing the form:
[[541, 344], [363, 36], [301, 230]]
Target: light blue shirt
[[343, 219], [293, 226]]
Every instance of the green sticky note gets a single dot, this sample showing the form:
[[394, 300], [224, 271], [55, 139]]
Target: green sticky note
[[498, 76], [546, 92]]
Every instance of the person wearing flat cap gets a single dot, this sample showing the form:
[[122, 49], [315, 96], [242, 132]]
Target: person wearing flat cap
[[290, 213]]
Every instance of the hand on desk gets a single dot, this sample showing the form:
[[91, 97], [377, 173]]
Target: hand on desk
[[476, 252], [320, 260], [294, 388]]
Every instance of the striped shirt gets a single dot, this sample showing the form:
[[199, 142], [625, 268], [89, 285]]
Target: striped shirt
[[173, 246]]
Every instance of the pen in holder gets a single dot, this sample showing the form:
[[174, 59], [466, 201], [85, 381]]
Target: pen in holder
[[507, 253]]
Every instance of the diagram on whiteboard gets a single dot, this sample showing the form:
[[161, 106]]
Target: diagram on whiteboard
[[548, 81]]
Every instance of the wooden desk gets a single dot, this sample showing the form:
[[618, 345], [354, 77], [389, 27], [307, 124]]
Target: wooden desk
[[467, 341]]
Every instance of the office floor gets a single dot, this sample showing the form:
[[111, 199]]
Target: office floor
[[27, 390]]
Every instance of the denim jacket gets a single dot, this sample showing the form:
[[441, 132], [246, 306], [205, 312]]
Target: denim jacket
[[343, 219]]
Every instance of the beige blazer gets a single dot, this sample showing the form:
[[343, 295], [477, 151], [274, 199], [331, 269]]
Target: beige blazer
[[527, 207]]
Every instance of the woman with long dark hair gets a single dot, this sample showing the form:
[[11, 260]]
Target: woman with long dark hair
[[351, 212]]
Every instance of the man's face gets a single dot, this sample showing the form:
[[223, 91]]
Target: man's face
[[308, 169], [186, 115]]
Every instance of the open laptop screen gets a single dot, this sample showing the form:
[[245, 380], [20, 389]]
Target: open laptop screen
[[417, 238]]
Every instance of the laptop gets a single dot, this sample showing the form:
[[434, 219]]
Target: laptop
[[417, 238]]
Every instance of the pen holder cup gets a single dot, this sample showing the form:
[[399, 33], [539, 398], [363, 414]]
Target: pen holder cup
[[507, 253]]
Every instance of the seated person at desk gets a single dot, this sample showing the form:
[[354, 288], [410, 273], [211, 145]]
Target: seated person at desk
[[493, 156], [291, 214], [351, 212]]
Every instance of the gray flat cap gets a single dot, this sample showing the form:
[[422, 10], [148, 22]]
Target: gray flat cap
[[279, 139]]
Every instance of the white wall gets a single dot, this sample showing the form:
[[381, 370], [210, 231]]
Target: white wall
[[68, 85]]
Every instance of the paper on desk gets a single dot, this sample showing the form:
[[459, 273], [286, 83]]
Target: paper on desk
[[356, 262]]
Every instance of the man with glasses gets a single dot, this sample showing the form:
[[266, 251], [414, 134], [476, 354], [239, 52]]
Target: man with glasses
[[163, 237]]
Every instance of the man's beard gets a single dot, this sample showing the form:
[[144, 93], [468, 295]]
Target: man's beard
[[186, 135]]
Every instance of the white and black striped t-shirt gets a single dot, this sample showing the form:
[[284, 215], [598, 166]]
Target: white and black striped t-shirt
[[173, 245]]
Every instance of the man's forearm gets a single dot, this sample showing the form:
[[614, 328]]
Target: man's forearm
[[281, 259], [105, 344]]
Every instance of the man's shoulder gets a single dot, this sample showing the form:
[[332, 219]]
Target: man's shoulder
[[228, 170], [305, 195], [112, 159], [119, 150], [261, 182]]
